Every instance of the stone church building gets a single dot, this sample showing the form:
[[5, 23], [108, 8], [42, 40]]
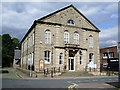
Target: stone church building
[[65, 39]]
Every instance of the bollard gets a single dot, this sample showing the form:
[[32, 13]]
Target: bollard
[[90, 69], [45, 73], [47, 70], [86, 68], [52, 73], [36, 75], [59, 69], [54, 69]]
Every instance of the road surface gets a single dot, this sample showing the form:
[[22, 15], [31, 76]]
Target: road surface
[[52, 83]]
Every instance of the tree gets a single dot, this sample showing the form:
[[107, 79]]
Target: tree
[[8, 46]]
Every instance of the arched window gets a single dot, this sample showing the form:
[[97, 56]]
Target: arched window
[[47, 56], [61, 58], [47, 37], [66, 37], [76, 38], [70, 22], [90, 41]]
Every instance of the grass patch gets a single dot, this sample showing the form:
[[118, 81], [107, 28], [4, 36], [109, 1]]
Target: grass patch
[[11, 73]]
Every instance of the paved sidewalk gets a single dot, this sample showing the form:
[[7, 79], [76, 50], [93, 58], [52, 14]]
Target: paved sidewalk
[[100, 85], [56, 77], [90, 86], [41, 76], [23, 75]]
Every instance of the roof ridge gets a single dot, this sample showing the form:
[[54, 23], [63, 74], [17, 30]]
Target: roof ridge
[[66, 8], [56, 11]]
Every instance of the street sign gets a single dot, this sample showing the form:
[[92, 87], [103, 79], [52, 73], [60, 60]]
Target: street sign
[[41, 65]]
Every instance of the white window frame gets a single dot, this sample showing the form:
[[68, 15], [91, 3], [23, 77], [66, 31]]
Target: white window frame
[[61, 57], [105, 55], [32, 56], [76, 38], [66, 37], [47, 37], [81, 59], [71, 22], [90, 41], [47, 57]]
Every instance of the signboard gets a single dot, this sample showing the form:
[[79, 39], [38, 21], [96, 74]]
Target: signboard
[[113, 64], [41, 65]]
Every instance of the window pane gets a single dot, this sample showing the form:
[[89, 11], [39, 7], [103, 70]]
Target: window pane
[[61, 58], [76, 38], [91, 57], [48, 37], [66, 37], [70, 22], [47, 56], [90, 42]]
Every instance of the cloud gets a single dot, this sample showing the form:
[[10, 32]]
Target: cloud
[[17, 17], [109, 37], [101, 13], [60, 1], [14, 32]]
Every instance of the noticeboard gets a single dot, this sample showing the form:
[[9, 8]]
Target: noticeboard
[[41, 65]]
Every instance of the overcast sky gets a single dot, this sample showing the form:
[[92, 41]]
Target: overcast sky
[[17, 17]]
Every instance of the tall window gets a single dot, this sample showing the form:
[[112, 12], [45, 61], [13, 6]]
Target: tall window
[[66, 37], [70, 22], [105, 55], [76, 38], [90, 41], [47, 37], [91, 57], [61, 58], [111, 54], [47, 56], [81, 59]]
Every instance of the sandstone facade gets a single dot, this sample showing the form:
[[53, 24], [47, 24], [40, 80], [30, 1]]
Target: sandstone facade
[[70, 40]]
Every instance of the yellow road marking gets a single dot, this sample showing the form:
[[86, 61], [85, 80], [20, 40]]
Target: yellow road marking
[[72, 86], [18, 75]]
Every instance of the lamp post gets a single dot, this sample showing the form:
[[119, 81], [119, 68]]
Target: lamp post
[[119, 60], [108, 67], [30, 73], [52, 45]]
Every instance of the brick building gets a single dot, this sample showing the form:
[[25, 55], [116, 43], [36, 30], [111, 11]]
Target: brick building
[[105, 53], [65, 39]]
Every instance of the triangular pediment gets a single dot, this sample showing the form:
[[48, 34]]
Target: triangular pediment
[[69, 13]]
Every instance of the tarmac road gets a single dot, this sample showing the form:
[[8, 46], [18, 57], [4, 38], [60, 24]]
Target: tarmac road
[[53, 83]]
